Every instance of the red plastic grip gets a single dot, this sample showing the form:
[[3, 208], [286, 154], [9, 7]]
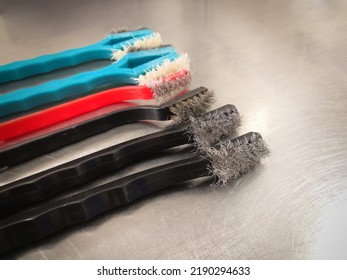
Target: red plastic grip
[[41, 119]]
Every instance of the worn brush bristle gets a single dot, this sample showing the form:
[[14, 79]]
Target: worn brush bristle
[[166, 89], [166, 68], [233, 158], [152, 41], [195, 106], [210, 128], [125, 29]]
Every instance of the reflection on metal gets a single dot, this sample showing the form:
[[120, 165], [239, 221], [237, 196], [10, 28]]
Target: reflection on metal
[[282, 63]]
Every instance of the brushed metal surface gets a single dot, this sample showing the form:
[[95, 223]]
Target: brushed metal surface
[[282, 63]]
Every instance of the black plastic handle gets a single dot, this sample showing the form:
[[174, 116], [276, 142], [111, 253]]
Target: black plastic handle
[[26, 191], [18, 194], [55, 215]]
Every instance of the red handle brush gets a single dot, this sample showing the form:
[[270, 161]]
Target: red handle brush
[[160, 90]]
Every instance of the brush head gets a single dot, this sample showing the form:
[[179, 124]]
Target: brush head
[[167, 88], [193, 104], [182, 63], [212, 127], [126, 29], [152, 41], [233, 158]]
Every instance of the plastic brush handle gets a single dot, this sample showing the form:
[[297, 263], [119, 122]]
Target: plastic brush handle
[[71, 134], [39, 186], [63, 112], [119, 73], [47, 218], [72, 57], [56, 114]]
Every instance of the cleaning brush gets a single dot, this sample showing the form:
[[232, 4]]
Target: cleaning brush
[[51, 216], [193, 103], [134, 68], [204, 130], [160, 91], [104, 49]]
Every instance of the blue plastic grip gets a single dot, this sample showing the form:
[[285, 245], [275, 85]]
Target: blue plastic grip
[[50, 62], [119, 73]]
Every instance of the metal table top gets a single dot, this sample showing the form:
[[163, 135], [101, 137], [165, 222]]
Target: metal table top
[[282, 63]]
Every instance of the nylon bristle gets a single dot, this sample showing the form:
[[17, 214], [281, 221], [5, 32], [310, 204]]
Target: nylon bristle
[[194, 106], [165, 90], [166, 68], [233, 159], [209, 129], [125, 29], [148, 42]]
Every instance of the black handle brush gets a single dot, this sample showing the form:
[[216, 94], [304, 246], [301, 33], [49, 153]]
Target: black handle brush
[[193, 103], [204, 130], [226, 160]]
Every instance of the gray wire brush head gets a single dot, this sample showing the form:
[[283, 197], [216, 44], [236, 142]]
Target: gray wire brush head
[[233, 158], [210, 128], [195, 106]]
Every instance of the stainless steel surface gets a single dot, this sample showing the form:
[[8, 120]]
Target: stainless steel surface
[[282, 63]]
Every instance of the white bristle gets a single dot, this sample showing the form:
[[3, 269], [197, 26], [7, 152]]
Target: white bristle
[[123, 29], [149, 42], [166, 68]]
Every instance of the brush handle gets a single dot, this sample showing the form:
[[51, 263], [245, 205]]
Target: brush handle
[[72, 57], [49, 142], [41, 119], [47, 218], [39, 186], [71, 134], [53, 91], [120, 73], [60, 113]]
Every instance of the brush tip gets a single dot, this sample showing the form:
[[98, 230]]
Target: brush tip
[[192, 104], [124, 29], [165, 69], [214, 126], [152, 41], [233, 158], [167, 88]]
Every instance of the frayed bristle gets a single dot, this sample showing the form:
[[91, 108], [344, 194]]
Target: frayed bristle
[[166, 89], [125, 29], [233, 158], [195, 106], [166, 68], [152, 41], [209, 129]]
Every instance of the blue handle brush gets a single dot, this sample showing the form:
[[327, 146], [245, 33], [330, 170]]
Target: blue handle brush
[[103, 49], [129, 70]]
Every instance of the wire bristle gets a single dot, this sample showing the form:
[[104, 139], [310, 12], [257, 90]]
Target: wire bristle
[[166, 89], [210, 128], [148, 42], [232, 159], [195, 106], [166, 68]]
